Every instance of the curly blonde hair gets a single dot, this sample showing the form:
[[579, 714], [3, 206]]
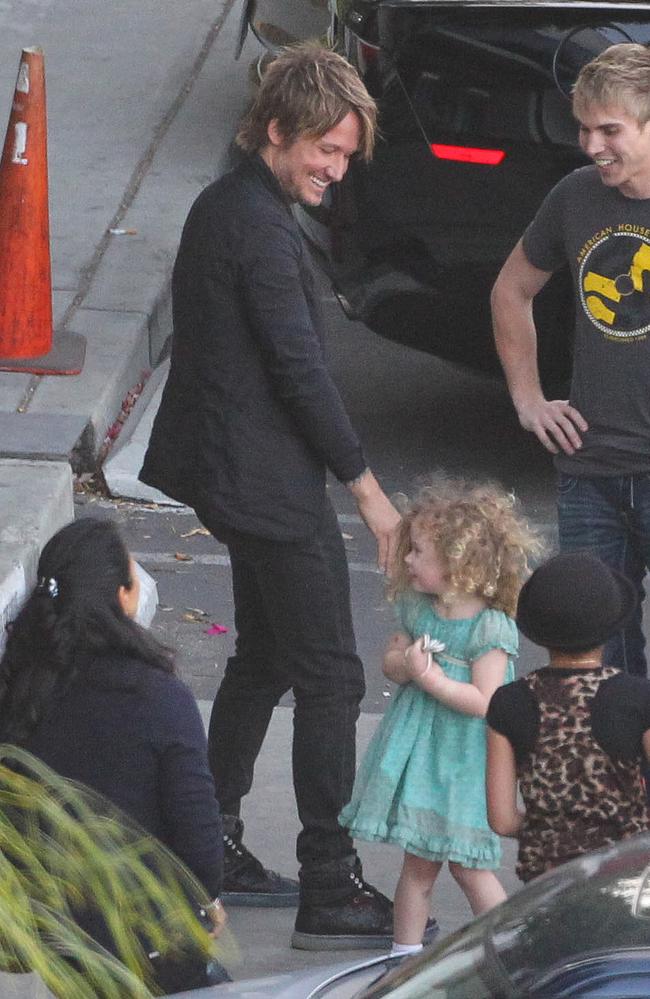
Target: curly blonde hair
[[478, 531]]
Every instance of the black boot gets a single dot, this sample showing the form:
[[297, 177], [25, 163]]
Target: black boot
[[352, 915], [245, 880]]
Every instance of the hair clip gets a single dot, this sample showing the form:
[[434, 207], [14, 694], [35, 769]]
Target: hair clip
[[48, 587]]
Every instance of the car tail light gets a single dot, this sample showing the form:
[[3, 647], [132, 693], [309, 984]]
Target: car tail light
[[368, 51], [468, 154]]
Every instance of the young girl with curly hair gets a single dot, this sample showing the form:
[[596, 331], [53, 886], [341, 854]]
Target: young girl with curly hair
[[462, 557]]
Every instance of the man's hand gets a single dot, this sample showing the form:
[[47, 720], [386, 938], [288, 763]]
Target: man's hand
[[555, 423], [379, 515]]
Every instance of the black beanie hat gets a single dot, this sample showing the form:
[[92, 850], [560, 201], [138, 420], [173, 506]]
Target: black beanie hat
[[574, 601]]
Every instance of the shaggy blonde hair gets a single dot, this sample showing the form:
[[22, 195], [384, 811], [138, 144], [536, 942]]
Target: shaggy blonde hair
[[478, 532], [617, 78], [308, 90]]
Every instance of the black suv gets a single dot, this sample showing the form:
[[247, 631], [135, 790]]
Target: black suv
[[476, 126]]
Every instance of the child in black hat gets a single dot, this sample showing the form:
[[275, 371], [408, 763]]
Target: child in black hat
[[574, 734]]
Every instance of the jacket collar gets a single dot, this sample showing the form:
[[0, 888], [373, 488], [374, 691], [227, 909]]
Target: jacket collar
[[268, 178]]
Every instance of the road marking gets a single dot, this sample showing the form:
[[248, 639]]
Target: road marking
[[168, 558], [186, 511]]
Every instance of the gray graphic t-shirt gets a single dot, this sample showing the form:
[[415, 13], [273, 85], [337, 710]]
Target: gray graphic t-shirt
[[605, 238]]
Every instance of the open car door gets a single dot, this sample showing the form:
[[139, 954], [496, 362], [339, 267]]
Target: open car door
[[277, 23], [246, 6]]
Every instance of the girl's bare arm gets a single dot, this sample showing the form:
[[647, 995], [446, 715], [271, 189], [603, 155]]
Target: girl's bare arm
[[501, 784], [488, 673]]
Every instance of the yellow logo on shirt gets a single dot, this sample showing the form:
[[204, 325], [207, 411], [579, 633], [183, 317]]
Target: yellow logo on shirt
[[613, 271]]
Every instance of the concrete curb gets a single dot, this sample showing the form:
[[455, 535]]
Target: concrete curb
[[117, 358], [125, 460], [36, 500]]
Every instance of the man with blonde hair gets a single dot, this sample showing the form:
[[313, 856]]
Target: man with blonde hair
[[597, 219], [249, 424]]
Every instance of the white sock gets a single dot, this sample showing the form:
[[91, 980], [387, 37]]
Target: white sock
[[399, 948]]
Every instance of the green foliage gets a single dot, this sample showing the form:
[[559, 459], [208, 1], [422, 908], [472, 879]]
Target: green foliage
[[65, 850]]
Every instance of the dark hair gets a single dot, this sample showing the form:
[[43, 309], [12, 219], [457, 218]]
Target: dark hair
[[72, 616], [309, 90]]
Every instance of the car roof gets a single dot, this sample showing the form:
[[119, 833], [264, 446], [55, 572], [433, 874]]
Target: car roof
[[575, 4]]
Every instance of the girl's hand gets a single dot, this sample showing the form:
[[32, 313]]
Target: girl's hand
[[434, 676], [488, 673], [418, 660], [405, 661], [393, 665]]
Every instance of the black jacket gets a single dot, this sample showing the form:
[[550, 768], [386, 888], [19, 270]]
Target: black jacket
[[134, 734], [250, 419]]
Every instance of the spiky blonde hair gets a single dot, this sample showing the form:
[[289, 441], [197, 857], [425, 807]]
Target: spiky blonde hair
[[478, 531]]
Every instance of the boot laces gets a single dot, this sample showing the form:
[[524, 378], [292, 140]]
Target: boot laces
[[369, 890], [246, 859]]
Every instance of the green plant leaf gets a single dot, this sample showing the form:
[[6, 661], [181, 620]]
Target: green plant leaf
[[66, 855]]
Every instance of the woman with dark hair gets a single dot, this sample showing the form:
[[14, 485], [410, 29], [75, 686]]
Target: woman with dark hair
[[87, 690]]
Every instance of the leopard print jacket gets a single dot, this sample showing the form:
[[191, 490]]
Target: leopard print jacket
[[577, 798]]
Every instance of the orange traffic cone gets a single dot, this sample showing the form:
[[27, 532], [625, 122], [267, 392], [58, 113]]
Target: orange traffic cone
[[25, 274]]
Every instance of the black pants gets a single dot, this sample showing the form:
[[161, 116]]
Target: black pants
[[294, 632]]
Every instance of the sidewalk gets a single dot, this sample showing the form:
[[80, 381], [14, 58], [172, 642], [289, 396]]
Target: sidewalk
[[142, 105], [271, 820]]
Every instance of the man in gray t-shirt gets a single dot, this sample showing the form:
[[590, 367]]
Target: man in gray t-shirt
[[596, 220]]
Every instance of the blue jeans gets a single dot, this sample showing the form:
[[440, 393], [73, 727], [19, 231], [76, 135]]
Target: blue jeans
[[610, 516]]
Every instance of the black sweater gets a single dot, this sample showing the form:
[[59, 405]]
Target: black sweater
[[134, 733]]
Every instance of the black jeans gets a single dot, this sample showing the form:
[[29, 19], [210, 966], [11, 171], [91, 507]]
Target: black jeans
[[294, 632]]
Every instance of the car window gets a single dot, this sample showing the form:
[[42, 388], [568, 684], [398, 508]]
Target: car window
[[284, 22], [496, 75]]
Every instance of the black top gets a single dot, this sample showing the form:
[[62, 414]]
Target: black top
[[577, 736], [250, 419], [602, 234], [620, 713], [134, 734]]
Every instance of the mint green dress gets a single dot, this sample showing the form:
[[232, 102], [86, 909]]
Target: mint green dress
[[421, 783]]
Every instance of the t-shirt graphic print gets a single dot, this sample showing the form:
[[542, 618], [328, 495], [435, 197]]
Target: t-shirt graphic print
[[614, 281]]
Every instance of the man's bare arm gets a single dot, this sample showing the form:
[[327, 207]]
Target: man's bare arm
[[555, 423]]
